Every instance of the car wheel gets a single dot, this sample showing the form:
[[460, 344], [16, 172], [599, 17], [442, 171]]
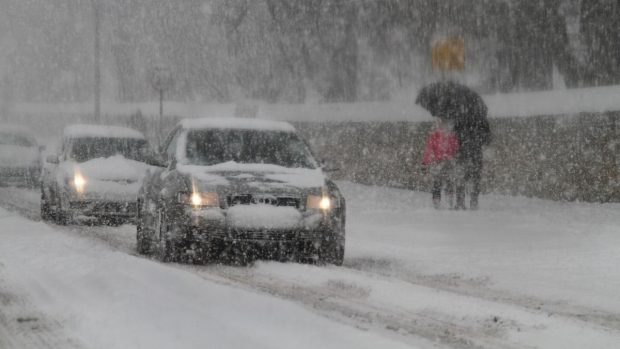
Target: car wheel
[[46, 211], [331, 252], [166, 252], [144, 241], [61, 217], [143, 244]]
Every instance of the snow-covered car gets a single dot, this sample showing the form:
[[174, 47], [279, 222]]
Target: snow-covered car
[[20, 156], [231, 184], [96, 175]]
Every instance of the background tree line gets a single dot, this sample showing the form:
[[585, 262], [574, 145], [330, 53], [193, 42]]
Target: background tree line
[[299, 50]]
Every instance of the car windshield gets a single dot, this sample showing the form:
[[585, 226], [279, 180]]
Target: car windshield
[[7, 138], [210, 147], [84, 149]]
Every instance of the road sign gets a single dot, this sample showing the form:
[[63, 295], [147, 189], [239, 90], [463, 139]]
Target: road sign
[[448, 54], [161, 78]]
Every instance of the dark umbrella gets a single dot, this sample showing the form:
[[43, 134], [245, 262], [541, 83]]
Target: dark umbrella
[[458, 103], [451, 101]]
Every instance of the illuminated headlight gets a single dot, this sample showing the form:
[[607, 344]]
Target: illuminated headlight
[[79, 182], [199, 200], [320, 202]]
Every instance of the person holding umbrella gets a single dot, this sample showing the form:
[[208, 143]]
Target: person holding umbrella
[[466, 109]]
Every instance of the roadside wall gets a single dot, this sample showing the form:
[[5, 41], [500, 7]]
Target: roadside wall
[[552, 157], [565, 157]]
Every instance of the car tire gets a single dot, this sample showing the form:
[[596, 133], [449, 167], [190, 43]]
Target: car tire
[[166, 251], [143, 244], [144, 241], [331, 252], [46, 211], [61, 217]]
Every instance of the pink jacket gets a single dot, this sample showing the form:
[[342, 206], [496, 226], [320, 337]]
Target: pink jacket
[[441, 145]]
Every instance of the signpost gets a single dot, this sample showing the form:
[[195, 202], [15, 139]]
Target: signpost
[[161, 80]]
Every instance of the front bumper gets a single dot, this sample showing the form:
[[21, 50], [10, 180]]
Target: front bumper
[[209, 225], [20, 175], [103, 209]]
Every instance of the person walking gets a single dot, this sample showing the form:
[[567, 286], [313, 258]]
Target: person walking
[[473, 132], [439, 156], [463, 106]]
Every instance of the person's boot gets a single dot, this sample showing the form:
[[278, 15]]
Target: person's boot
[[460, 199], [450, 196], [473, 203]]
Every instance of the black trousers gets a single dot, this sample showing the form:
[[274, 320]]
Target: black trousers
[[469, 173], [443, 174]]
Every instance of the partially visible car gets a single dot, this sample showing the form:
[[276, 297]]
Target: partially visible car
[[20, 156], [95, 176], [240, 186]]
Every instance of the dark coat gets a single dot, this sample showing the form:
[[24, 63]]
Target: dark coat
[[473, 133]]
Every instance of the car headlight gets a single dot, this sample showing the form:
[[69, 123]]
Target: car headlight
[[79, 182], [322, 202], [199, 200]]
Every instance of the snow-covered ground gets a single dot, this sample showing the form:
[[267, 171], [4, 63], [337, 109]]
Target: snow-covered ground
[[518, 273]]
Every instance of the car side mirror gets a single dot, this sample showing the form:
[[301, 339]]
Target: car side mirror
[[172, 164], [328, 167], [52, 159], [156, 160]]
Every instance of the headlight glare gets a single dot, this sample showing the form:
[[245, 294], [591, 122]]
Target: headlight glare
[[325, 203], [199, 200], [79, 182], [317, 202]]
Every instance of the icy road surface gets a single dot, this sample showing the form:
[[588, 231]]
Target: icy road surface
[[518, 273]]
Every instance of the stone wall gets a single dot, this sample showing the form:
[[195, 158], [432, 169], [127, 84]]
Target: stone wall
[[552, 157]]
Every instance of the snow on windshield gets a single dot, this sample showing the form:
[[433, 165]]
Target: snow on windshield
[[84, 149], [215, 146]]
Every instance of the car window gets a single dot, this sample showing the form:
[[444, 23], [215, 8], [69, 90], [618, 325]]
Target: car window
[[171, 147], [84, 149], [209, 147], [7, 138]]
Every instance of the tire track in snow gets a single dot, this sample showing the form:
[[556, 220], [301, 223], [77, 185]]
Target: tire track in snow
[[347, 304], [477, 288], [23, 326]]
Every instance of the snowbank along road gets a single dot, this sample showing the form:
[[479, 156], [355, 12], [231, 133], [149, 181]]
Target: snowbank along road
[[518, 273]]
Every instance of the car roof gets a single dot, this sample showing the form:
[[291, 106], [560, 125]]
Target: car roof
[[236, 123], [19, 131], [100, 131], [15, 129]]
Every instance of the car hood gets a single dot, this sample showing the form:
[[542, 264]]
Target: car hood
[[16, 156], [115, 168], [115, 178], [254, 177]]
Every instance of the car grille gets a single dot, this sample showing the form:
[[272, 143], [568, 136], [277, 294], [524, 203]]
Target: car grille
[[248, 199], [266, 235], [104, 207]]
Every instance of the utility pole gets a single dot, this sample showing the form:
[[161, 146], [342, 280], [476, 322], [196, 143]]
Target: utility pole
[[97, 63]]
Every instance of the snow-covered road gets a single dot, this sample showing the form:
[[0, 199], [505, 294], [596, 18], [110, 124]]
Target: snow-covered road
[[518, 273]]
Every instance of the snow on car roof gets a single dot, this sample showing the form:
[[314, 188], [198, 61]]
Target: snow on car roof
[[100, 131], [15, 129], [237, 123]]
